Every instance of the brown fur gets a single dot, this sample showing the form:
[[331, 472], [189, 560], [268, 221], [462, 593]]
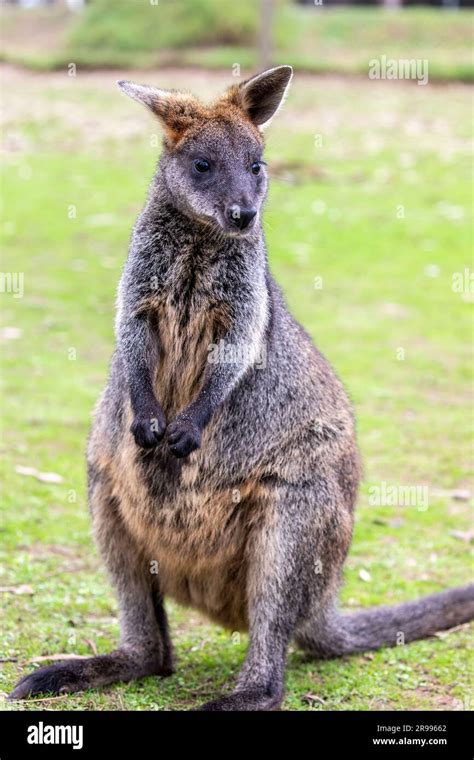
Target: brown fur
[[183, 116], [201, 539]]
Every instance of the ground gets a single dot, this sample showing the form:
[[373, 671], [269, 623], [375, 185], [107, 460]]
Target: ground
[[368, 232]]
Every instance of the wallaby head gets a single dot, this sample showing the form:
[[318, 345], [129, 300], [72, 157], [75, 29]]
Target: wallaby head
[[212, 163]]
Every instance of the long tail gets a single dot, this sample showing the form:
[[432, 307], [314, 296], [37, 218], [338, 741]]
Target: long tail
[[388, 626]]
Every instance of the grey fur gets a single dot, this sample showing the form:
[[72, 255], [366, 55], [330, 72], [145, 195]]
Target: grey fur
[[239, 477]]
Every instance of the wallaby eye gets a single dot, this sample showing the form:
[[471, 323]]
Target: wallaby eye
[[201, 165], [256, 166]]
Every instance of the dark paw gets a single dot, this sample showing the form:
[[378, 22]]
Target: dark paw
[[184, 436], [55, 679], [249, 700], [148, 429], [93, 672]]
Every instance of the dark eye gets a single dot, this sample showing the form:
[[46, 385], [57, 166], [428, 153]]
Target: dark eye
[[256, 166], [201, 165]]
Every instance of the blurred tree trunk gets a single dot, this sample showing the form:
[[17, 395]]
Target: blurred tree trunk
[[265, 35]]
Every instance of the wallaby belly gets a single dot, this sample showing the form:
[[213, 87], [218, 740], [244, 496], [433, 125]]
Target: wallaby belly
[[195, 534]]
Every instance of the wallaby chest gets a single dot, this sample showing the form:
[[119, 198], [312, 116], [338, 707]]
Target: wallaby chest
[[189, 313]]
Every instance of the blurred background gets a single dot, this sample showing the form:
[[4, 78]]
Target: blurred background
[[314, 35], [369, 232]]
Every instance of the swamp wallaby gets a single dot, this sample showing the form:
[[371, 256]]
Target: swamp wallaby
[[223, 467]]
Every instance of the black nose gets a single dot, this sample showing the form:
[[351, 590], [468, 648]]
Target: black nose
[[241, 216]]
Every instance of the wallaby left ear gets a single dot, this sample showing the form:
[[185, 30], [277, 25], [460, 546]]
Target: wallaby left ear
[[262, 95]]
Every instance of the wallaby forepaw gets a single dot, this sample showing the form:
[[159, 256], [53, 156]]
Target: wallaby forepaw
[[148, 430], [184, 436]]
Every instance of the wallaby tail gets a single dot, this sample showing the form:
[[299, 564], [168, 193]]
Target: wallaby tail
[[388, 626]]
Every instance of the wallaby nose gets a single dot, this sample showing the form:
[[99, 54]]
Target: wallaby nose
[[241, 216]]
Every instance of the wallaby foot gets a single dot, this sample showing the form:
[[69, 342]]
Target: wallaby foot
[[276, 600], [145, 647], [90, 673], [248, 700]]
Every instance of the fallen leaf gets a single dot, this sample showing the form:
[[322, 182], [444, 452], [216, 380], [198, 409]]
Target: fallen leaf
[[25, 470], [50, 477], [23, 589], [461, 495], [92, 645], [10, 333], [54, 657], [461, 535], [44, 477], [311, 699], [36, 699], [445, 634]]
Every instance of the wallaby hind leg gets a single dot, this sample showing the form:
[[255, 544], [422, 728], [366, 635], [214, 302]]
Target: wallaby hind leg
[[145, 647], [283, 583]]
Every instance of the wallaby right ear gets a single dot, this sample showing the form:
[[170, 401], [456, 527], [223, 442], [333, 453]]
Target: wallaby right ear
[[176, 111], [150, 96]]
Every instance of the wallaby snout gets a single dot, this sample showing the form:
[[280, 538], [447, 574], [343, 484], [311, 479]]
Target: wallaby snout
[[240, 216]]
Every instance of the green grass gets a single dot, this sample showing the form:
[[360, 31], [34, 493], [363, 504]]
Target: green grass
[[346, 158], [206, 33]]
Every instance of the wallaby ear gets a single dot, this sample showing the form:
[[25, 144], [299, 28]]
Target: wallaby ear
[[150, 96], [262, 95], [177, 111]]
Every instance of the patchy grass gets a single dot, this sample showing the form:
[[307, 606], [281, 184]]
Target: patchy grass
[[374, 200], [210, 34]]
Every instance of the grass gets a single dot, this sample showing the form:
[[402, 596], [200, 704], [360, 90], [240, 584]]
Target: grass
[[203, 33], [374, 200]]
